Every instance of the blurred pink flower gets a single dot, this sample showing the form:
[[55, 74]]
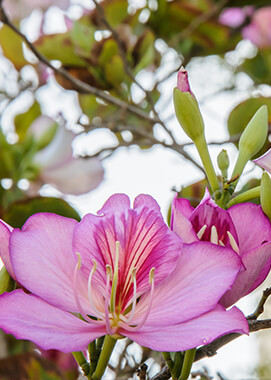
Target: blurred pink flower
[[259, 30], [235, 16], [18, 9], [243, 228], [59, 167], [125, 272]]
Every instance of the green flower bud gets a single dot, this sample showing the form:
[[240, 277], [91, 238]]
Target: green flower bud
[[223, 162], [265, 194], [252, 139], [6, 282]]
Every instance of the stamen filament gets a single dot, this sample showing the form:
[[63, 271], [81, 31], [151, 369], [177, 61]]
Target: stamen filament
[[201, 231], [76, 296], [233, 242], [132, 313], [214, 235], [151, 281], [106, 303], [98, 314], [115, 280]]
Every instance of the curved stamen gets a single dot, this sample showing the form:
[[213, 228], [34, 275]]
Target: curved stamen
[[132, 313], [106, 303], [98, 314], [214, 235], [201, 231], [151, 281], [233, 242], [76, 296], [115, 280]]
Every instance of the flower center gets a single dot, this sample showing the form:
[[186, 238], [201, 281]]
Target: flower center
[[108, 311], [214, 237]]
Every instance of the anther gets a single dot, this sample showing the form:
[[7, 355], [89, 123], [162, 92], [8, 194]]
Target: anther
[[233, 242], [214, 235], [201, 231]]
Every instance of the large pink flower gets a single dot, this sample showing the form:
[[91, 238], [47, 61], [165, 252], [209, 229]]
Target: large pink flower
[[243, 228], [125, 272]]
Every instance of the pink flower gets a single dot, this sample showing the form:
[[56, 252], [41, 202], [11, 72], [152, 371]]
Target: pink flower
[[243, 228], [235, 16], [125, 272], [264, 161], [18, 9], [182, 81], [259, 31], [59, 167]]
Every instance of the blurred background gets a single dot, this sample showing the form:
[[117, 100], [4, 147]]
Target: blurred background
[[93, 115]]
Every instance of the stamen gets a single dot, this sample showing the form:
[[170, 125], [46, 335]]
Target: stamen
[[201, 231], [115, 280], [233, 242], [75, 282], [106, 304], [151, 281], [93, 270], [214, 235], [221, 243], [132, 313]]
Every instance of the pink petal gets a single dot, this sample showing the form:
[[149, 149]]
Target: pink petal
[[264, 161], [233, 17], [204, 272], [193, 333], [28, 317], [5, 232], [252, 226], [180, 223], [114, 204], [145, 242], [182, 81], [43, 260], [257, 263]]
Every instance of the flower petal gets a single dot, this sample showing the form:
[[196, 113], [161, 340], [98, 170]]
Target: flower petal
[[28, 317], [5, 232], [193, 333], [255, 231], [180, 223], [257, 263], [42, 258], [204, 272], [265, 160], [145, 242]]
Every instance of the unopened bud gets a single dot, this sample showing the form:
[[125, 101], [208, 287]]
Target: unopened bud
[[6, 281], [223, 163], [265, 194], [252, 139], [186, 108]]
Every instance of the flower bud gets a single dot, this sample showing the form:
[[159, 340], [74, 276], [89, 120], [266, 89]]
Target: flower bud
[[6, 282], [223, 162], [186, 108], [252, 139], [265, 194]]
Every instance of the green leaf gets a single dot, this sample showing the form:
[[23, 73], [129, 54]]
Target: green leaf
[[19, 212], [114, 71], [82, 37], [115, 11], [6, 282], [12, 47], [145, 51], [241, 115], [24, 120]]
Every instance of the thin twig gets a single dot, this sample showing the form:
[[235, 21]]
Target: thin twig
[[260, 308]]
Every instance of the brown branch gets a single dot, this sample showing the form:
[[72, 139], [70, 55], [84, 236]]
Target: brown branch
[[260, 308]]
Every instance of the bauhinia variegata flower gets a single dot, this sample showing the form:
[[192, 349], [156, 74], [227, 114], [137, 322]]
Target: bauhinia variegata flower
[[124, 273]]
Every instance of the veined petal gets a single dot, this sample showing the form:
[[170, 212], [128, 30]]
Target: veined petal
[[180, 224], [42, 258], [116, 203], [5, 232], [144, 239], [204, 272], [255, 231], [257, 263], [192, 333], [26, 316], [264, 161]]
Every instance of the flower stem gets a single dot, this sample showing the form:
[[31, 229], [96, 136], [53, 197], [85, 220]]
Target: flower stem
[[189, 357], [203, 151], [82, 361], [109, 344], [245, 197], [168, 360], [178, 363], [92, 357]]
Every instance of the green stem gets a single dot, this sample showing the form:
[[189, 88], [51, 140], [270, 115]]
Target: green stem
[[202, 148], [189, 357], [92, 357], [168, 360], [82, 361], [109, 344], [245, 197], [178, 363]]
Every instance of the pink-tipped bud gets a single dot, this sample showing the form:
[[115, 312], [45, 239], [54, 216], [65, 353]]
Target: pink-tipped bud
[[182, 81]]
